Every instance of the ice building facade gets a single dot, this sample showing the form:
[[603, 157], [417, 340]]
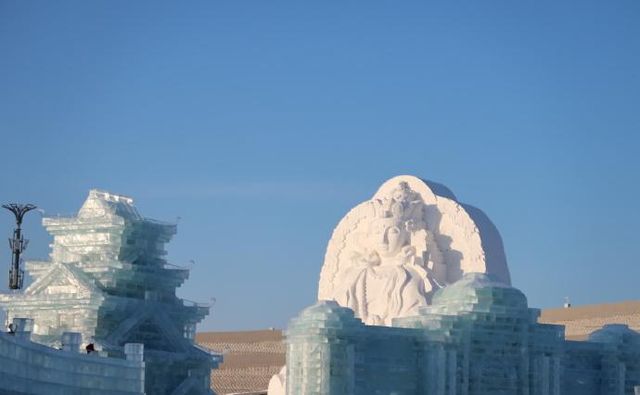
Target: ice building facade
[[478, 337], [109, 281]]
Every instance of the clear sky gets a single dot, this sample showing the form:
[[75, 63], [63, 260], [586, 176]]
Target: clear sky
[[261, 123]]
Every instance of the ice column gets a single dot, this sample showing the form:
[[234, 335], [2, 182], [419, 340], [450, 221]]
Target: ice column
[[71, 341], [23, 327], [134, 351]]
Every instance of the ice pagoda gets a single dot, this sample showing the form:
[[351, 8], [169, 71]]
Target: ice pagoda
[[108, 279]]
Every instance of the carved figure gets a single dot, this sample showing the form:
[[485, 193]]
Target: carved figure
[[392, 274], [389, 254]]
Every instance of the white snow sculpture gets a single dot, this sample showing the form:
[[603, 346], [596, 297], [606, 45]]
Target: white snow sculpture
[[278, 383], [388, 255]]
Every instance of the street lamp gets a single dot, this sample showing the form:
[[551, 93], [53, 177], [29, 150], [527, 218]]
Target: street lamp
[[17, 244]]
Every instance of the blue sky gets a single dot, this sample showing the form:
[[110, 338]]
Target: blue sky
[[260, 124]]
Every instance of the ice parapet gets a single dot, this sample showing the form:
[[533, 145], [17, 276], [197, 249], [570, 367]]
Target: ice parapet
[[108, 280], [31, 368], [478, 337]]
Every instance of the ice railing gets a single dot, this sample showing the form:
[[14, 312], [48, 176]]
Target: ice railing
[[200, 305], [73, 217], [216, 356], [173, 266], [64, 216]]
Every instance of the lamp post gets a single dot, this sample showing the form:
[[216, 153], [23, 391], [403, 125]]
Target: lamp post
[[17, 244]]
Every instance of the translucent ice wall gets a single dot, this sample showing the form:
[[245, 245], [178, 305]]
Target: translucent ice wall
[[30, 368]]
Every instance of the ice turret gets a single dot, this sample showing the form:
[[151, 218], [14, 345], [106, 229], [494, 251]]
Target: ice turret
[[616, 334], [479, 292]]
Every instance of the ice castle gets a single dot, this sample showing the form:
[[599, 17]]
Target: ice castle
[[477, 338], [415, 299], [108, 284]]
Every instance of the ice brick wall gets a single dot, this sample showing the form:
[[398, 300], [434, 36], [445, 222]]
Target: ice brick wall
[[332, 352], [31, 368]]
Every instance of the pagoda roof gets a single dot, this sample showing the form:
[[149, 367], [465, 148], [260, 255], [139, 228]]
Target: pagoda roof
[[61, 284], [104, 209]]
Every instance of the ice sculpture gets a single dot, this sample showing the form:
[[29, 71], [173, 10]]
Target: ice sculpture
[[109, 281], [478, 338], [278, 383], [388, 255]]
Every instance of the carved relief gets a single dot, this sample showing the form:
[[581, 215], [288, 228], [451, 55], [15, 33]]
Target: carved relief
[[389, 255]]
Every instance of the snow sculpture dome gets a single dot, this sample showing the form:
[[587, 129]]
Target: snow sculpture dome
[[390, 254]]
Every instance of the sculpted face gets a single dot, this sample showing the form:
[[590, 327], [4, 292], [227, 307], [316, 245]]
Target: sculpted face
[[398, 214], [395, 240], [401, 193], [387, 239]]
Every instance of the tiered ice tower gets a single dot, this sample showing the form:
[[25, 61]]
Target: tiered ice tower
[[108, 280]]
